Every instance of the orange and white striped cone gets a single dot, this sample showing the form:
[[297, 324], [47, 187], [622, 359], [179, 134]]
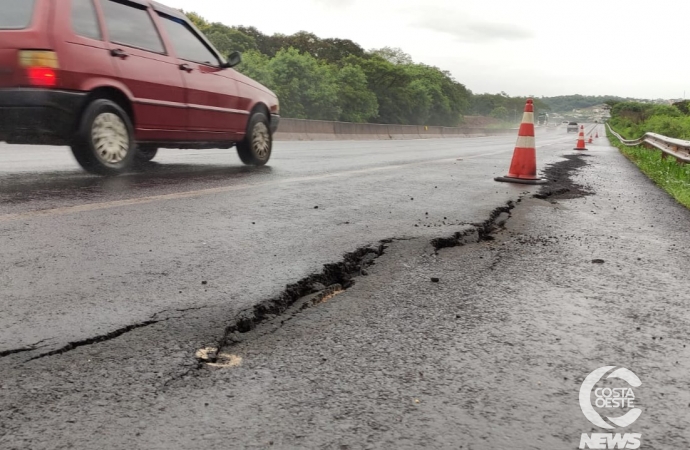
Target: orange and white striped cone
[[597, 135], [581, 139], [590, 140], [523, 168]]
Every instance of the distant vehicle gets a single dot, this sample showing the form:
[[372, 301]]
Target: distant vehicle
[[543, 119], [573, 127], [565, 123], [117, 79]]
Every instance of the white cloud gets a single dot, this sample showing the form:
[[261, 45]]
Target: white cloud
[[469, 30]]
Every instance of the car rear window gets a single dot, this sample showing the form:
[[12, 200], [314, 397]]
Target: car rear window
[[16, 14], [130, 24], [84, 19]]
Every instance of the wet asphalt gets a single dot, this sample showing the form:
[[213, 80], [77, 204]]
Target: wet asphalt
[[490, 356], [84, 256]]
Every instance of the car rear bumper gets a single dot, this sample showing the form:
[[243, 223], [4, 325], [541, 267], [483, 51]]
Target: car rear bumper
[[38, 116], [275, 121]]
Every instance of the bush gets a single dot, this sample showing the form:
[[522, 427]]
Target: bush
[[632, 120]]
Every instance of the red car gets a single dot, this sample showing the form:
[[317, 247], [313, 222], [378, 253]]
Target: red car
[[117, 79]]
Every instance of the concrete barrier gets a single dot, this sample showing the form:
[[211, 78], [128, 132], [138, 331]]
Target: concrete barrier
[[349, 130], [322, 130]]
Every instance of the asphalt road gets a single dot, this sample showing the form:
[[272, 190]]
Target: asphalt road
[[491, 356], [84, 256]]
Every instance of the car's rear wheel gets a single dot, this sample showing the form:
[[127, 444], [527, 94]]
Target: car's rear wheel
[[104, 143], [146, 154], [256, 148]]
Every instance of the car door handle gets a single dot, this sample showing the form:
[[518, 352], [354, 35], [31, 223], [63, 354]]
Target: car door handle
[[118, 53], [186, 67]]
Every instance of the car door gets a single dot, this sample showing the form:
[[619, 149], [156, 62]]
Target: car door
[[212, 93], [149, 72], [84, 53]]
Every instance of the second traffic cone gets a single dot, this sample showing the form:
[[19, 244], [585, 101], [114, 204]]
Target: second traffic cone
[[523, 168], [597, 135], [590, 140], [581, 139]]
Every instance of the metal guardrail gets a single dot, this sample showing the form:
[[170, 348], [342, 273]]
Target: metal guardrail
[[676, 148]]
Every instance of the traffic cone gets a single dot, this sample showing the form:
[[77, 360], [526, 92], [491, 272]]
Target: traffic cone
[[581, 140], [590, 140], [523, 168], [597, 135]]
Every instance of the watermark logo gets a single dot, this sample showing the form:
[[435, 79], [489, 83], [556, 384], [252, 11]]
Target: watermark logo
[[609, 398]]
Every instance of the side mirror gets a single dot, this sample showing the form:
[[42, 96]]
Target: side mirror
[[234, 59]]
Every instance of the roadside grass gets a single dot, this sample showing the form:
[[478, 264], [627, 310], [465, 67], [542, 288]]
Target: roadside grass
[[674, 178]]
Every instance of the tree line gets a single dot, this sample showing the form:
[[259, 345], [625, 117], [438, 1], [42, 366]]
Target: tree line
[[337, 79]]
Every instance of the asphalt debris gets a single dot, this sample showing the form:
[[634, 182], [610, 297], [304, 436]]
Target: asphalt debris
[[560, 176]]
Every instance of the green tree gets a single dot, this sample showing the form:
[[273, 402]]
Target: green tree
[[268, 45], [307, 88], [257, 66], [500, 113], [683, 106], [357, 103], [337, 50], [392, 55], [448, 99], [389, 82], [231, 40]]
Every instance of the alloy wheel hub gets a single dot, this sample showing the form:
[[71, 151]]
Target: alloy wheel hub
[[261, 141], [110, 138]]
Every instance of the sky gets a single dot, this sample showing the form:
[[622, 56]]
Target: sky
[[539, 48]]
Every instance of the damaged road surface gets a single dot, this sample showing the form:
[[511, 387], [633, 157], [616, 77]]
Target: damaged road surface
[[85, 257], [421, 305]]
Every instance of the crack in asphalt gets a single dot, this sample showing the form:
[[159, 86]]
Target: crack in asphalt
[[333, 279], [95, 340], [101, 338], [14, 351], [479, 231], [336, 278]]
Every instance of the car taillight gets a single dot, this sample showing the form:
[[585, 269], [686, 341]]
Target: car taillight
[[41, 67]]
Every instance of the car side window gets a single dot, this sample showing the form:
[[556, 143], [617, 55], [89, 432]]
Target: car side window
[[85, 20], [130, 24], [187, 44], [15, 14]]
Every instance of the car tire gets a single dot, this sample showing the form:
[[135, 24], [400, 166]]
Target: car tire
[[104, 143], [145, 154], [256, 148]]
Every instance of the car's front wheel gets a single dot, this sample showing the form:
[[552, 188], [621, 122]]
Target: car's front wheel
[[104, 143], [257, 145]]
